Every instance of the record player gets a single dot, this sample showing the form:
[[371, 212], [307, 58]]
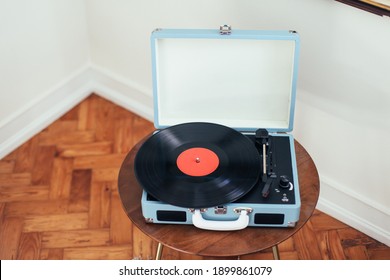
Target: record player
[[222, 157]]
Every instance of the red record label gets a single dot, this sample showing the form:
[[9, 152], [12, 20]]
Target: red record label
[[197, 162]]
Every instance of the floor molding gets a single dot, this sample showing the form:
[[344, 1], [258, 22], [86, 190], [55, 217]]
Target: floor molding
[[52, 104], [39, 113], [122, 92], [359, 213]]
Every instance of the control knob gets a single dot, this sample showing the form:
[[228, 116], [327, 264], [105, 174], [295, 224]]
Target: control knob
[[284, 182]]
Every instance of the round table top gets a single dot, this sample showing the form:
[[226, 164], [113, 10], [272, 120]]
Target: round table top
[[191, 240]]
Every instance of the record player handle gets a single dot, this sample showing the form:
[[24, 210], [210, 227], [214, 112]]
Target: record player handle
[[241, 223]]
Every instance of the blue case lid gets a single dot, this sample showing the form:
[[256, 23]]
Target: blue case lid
[[245, 80]]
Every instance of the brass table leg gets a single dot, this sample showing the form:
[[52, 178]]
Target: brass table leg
[[160, 248], [275, 251]]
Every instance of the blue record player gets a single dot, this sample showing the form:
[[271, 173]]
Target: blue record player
[[242, 82]]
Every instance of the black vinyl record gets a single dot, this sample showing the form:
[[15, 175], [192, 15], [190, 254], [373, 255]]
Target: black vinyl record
[[197, 165]]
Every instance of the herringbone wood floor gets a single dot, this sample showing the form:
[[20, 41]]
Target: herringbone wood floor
[[59, 198]]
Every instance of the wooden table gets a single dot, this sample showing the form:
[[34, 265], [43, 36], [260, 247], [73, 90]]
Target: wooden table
[[191, 240]]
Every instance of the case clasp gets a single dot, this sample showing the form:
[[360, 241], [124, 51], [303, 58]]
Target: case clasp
[[225, 29]]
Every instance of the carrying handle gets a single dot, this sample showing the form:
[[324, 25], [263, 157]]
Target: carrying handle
[[241, 223]]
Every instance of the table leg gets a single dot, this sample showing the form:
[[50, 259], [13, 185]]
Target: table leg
[[160, 248], [275, 251]]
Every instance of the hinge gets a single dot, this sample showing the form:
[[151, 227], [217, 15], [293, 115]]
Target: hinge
[[225, 29]]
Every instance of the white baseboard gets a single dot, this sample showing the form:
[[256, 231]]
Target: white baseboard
[[122, 92], [39, 113], [354, 210]]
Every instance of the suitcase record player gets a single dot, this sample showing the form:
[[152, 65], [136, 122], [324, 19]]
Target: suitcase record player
[[222, 157]]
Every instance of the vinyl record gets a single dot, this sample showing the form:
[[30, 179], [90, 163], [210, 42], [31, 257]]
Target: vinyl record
[[197, 165]]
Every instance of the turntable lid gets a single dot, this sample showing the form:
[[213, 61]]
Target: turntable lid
[[245, 80]]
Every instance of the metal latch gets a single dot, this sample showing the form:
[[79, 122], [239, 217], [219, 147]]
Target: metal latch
[[238, 210], [225, 29], [202, 210], [219, 210]]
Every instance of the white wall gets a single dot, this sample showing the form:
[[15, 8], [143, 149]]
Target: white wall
[[342, 114], [43, 44]]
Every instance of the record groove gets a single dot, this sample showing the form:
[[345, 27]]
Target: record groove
[[236, 172]]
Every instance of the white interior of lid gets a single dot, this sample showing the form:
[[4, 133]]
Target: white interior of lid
[[238, 83]]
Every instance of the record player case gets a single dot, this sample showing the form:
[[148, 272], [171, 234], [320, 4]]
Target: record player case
[[216, 243], [242, 79]]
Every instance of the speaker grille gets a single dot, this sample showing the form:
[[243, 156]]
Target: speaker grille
[[171, 216], [269, 219]]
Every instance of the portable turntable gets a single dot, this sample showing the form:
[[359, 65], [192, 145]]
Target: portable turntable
[[221, 157]]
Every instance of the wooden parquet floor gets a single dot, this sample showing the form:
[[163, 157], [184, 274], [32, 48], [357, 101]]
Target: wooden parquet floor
[[59, 198]]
